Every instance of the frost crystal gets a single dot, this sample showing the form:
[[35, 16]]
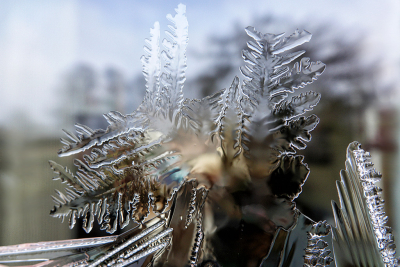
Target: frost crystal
[[316, 252], [212, 181], [361, 237], [152, 152], [208, 166]]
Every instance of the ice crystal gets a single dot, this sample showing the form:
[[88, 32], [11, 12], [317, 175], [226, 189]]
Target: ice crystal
[[361, 237], [212, 181], [316, 251], [153, 151], [206, 165]]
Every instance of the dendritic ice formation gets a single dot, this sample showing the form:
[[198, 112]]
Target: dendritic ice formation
[[212, 181], [361, 237], [316, 252], [247, 132], [215, 167]]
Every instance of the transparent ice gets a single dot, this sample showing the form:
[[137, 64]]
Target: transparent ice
[[190, 160], [361, 237], [203, 182]]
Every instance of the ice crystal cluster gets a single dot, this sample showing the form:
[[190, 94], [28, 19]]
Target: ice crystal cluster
[[249, 131], [230, 155], [212, 181]]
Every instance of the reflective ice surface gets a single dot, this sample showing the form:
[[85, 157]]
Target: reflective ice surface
[[212, 181], [361, 237], [216, 170]]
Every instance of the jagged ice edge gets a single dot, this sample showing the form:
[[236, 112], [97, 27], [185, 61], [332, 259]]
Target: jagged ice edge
[[375, 203], [316, 251]]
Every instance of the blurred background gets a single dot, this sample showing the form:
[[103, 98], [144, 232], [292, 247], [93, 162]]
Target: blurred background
[[70, 61]]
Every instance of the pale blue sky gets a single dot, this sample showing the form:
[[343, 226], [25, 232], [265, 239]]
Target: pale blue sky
[[41, 40]]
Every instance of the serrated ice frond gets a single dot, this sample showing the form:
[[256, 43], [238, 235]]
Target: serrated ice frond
[[230, 121], [112, 205], [229, 102], [173, 76], [133, 145], [151, 63], [266, 71], [269, 119], [264, 66], [361, 237], [87, 138]]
